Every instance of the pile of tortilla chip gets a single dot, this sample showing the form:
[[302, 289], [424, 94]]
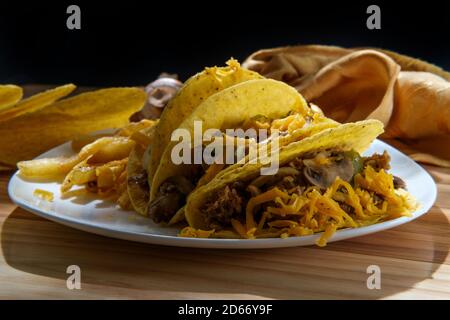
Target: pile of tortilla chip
[[30, 126]]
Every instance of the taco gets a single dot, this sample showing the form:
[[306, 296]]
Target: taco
[[258, 104], [194, 91], [323, 184]]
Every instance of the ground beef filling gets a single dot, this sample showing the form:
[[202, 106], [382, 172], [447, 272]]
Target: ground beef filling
[[378, 161], [229, 203]]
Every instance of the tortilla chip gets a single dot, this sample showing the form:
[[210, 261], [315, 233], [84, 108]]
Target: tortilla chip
[[36, 102], [27, 136], [195, 90], [9, 96]]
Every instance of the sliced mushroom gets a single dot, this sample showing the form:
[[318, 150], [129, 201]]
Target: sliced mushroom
[[399, 183], [171, 197], [159, 93], [162, 90], [323, 176], [254, 190]]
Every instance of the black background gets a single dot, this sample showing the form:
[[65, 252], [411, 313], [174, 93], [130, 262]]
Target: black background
[[131, 42]]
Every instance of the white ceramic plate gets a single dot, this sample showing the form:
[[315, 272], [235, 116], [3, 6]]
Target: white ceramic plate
[[105, 218]]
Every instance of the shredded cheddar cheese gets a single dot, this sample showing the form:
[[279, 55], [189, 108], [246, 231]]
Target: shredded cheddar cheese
[[189, 232], [270, 195], [239, 228], [43, 194], [290, 123]]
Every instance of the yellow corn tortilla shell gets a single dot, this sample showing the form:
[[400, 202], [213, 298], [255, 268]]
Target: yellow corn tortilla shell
[[9, 96], [229, 109], [27, 136], [138, 196], [195, 90], [357, 136], [36, 102]]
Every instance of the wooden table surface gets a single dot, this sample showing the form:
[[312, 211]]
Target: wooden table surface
[[35, 253]]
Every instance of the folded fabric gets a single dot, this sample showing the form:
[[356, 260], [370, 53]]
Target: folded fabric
[[411, 97]]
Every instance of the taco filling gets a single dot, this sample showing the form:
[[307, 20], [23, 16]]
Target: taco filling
[[319, 191]]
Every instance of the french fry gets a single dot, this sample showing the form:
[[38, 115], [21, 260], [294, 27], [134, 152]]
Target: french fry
[[55, 167], [78, 143], [117, 148], [83, 175], [100, 165], [123, 178], [47, 168], [133, 127], [80, 174], [109, 173], [105, 177], [108, 150], [98, 145]]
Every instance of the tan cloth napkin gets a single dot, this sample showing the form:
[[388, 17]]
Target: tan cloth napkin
[[411, 97]]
